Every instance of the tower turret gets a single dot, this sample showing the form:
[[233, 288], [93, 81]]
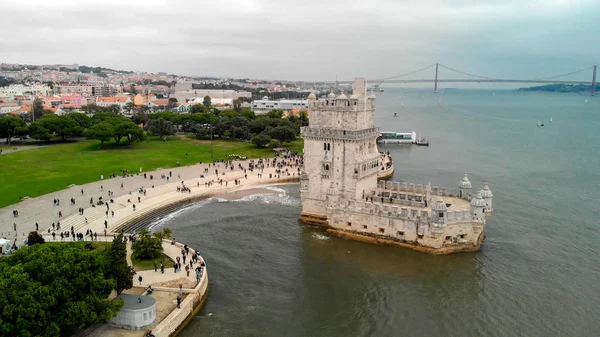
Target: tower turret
[[439, 211], [478, 206], [487, 195], [464, 188]]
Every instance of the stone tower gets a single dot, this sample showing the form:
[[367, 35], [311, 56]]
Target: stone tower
[[340, 154]]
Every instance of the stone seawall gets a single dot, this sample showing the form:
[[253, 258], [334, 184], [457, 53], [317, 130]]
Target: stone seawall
[[183, 199], [379, 240], [176, 321], [179, 318]]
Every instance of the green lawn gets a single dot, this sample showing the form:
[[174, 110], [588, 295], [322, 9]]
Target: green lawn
[[40, 171], [149, 264]]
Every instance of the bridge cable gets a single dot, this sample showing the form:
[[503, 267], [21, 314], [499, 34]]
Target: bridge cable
[[468, 74], [571, 73], [402, 75]]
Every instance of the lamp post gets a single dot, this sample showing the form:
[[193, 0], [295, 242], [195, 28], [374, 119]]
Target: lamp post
[[212, 124]]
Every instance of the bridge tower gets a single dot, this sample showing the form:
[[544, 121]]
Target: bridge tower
[[436, 77], [594, 81]]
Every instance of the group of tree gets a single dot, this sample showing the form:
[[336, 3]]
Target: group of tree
[[103, 126], [147, 246], [56, 289], [205, 121], [263, 130]]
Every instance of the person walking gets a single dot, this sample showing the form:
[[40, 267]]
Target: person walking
[[155, 267], [140, 279], [162, 268]]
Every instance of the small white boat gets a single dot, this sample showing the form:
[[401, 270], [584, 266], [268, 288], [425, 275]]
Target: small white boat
[[550, 119], [540, 123]]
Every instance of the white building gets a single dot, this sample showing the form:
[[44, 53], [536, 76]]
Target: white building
[[339, 187], [20, 90], [265, 105], [8, 107]]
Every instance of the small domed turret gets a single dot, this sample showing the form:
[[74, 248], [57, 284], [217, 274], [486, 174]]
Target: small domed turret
[[372, 96], [312, 96], [439, 205], [465, 183], [478, 200], [487, 196], [342, 96], [353, 96], [464, 187], [478, 206], [331, 95], [439, 211]]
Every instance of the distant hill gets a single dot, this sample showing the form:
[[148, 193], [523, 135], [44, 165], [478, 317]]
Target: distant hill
[[560, 88]]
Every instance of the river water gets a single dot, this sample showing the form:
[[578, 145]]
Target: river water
[[537, 274]]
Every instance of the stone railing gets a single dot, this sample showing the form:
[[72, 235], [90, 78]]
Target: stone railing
[[395, 186], [177, 317], [459, 216], [339, 134], [391, 211]]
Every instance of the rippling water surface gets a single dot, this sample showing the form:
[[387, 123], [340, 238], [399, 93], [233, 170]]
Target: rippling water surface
[[538, 273]]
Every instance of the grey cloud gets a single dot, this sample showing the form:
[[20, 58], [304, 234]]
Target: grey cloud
[[305, 40]]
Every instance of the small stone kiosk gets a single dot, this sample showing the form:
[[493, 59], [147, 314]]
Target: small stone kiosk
[[138, 312]]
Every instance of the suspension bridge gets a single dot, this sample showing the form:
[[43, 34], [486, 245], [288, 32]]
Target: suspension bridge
[[472, 78]]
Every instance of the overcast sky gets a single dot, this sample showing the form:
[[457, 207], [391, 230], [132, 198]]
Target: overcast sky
[[307, 39]]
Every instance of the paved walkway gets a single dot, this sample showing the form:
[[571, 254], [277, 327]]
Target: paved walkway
[[158, 192]]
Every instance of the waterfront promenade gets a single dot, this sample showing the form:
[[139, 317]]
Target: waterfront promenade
[[159, 191], [200, 181]]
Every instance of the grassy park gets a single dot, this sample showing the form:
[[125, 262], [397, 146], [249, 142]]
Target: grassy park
[[148, 264], [44, 170]]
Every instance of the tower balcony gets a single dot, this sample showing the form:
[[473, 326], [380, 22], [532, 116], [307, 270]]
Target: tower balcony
[[337, 134]]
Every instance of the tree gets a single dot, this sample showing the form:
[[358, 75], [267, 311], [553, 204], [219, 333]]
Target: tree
[[303, 118], [9, 127], [147, 247], [34, 238], [38, 131], [53, 290], [118, 268], [172, 103], [129, 107], [261, 140], [114, 108], [65, 127], [165, 234], [82, 119], [124, 128], [102, 131], [139, 118], [275, 114], [206, 101], [37, 109], [161, 127], [198, 108], [282, 134]]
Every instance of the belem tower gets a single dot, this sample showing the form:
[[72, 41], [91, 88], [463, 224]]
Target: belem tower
[[339, 187]]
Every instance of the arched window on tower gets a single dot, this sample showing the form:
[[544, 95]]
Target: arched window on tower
[[328, 146], [324, 146]]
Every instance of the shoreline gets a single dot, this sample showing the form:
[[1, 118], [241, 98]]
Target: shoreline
[[138, 202]]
